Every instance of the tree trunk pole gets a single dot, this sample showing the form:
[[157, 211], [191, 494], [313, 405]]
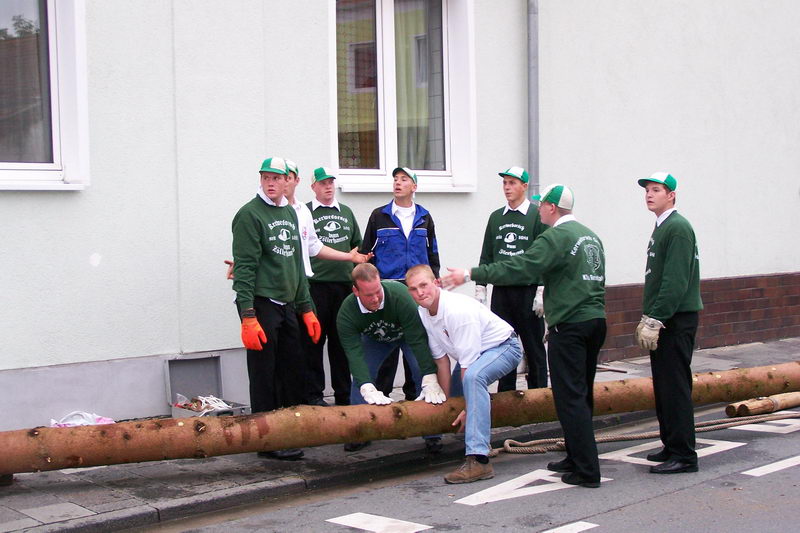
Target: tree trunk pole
[[39, 449]]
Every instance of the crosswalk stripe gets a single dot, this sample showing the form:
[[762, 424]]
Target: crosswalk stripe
[[377, 523], [773, 467]]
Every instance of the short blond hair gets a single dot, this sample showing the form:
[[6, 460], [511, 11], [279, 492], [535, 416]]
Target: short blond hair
[[364, 272], [420, 269]]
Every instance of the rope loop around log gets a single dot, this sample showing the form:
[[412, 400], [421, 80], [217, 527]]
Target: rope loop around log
[[557, 444]]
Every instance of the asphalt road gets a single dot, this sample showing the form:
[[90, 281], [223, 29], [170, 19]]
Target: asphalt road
[[749, 480]]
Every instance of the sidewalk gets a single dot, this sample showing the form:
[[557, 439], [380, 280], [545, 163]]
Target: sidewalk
[[123, 496]]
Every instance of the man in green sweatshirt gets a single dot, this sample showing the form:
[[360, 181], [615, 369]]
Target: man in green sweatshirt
[[569, 259], [669, 323], [509, 232], [379, 317], [271, 287]]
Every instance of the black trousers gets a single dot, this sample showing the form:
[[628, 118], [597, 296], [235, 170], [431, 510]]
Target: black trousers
[[573, 362], [277, 371], [328, 298], [672, 385], [515, 306]]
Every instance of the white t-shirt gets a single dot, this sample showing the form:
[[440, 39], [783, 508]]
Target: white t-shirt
[[406, 216], [308, 236], [463, 328]]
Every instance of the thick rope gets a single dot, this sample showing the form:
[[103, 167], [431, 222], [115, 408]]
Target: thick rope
[[557, 444]]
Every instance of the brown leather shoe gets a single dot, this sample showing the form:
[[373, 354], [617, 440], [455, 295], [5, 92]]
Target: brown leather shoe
[[470, 471]]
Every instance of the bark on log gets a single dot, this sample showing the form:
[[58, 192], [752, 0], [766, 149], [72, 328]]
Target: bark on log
[[39, 449]]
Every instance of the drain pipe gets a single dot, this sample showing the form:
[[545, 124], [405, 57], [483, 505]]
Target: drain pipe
[[533, 95]]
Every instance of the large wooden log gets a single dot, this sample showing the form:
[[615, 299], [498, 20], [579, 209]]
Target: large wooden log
[[39, 449]]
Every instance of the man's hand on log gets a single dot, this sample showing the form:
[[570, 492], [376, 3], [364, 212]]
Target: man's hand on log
[[373, 396]]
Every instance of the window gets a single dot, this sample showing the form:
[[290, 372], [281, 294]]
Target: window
[[404, 93], [43, 124]]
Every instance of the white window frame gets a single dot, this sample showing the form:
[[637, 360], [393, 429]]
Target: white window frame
[[459, 102], [69, 110]]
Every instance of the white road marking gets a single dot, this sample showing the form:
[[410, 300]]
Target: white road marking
[[575, 527], [774, 467], [377, 523], [772, 426], [626, 454], [516, 488]]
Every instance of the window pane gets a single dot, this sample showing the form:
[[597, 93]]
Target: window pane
[[420, 81], [357, 84], [25, 122]]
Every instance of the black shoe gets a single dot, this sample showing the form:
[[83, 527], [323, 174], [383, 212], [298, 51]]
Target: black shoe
[[659, 457], [292, 454], [355, 446], [572, 478], [565, 465], [320, 402], [673, 467], [434, 446]]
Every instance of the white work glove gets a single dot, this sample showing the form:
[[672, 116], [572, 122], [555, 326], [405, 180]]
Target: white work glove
[[480, 293], [538, 302], [647, 331], [431, 391], [373, 396]]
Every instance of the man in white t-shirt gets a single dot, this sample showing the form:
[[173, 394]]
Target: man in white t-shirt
[[486, 348]]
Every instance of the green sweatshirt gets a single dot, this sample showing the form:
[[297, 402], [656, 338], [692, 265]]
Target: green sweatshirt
[[570, 261], [337, 229], [267, 256], [672, 276], [398, 320], [508, 235]]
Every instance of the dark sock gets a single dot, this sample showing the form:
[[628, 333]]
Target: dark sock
[[482, 459]]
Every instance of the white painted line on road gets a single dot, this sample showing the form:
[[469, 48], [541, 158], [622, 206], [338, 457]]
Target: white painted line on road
[[516, 488], [773, 426], [626, 455], [575, 527], [774, 467], [378, 524]]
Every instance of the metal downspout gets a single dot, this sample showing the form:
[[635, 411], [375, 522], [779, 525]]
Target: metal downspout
[[533, 95]]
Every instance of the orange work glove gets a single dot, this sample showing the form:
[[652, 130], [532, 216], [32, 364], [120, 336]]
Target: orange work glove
[[312, 326], [252, 334]]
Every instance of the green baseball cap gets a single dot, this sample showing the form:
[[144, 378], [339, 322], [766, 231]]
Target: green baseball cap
[[557, 194], [291, 166], [663, 178], [323, 173], [516, 172], [274, 164], [407, 171]]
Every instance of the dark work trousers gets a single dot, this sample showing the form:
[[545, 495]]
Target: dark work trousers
[[573, 362], [385, 380], [515, 306], [277, 371], [672, 385], [328, 297]]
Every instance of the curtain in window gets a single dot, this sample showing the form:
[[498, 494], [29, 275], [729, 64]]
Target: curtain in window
[[419, 78], [357, 84], [25, 121]]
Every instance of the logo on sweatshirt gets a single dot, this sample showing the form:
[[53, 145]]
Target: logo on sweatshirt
[[592, 252], [284, 235], [332, 226]]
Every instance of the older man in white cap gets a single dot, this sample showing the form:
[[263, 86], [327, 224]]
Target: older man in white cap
[[569, 258]]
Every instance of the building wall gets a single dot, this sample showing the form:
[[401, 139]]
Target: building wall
[[185, 99]]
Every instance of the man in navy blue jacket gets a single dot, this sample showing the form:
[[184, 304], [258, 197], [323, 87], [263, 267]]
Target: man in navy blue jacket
[[400, 234]]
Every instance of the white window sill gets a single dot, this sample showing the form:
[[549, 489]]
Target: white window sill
[[40, 186]]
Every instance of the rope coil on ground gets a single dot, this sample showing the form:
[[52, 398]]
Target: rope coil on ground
[[557, 444]]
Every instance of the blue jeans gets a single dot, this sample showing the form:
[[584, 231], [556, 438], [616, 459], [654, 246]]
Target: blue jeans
[[493, 364], [375, 353]]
